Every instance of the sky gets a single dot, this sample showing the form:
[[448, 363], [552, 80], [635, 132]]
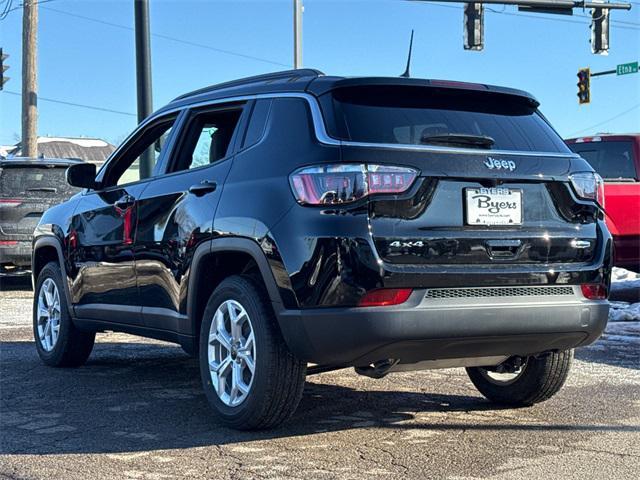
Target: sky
[[86, 56]]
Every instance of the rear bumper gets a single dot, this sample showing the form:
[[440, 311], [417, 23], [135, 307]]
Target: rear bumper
[[434, 329], [15, 259]]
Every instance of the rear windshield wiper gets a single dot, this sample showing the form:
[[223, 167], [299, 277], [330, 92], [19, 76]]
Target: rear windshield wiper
[[459, 139], [42, 189]]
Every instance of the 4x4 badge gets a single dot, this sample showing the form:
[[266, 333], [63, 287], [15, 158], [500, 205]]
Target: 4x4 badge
[[493, 163]]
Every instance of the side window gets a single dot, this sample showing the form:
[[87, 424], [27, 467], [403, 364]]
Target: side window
[[258, 121], [150, 143], [207, 138]]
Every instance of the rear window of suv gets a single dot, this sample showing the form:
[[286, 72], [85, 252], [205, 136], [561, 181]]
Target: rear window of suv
[[404, 115], [612, 160], [29, 181]]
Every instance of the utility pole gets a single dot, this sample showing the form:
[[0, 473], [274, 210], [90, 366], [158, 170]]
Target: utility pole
[[30, 78], [297, 33], [143, 76]]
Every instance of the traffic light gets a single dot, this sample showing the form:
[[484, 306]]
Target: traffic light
[[473, 26], [3, 68], [584, 94], [600, 31]]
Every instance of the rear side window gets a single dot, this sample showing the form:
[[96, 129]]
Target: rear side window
[[208, 138], [258, 120], [34, 182], [407, 115], [612, 160]]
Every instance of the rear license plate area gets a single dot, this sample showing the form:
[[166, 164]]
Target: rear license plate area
[[494, 206]]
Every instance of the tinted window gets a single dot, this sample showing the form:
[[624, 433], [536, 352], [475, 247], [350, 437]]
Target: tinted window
[[125, 168], [258, 120], [391, 114], [612, 160], [34, 182], [208, 138]]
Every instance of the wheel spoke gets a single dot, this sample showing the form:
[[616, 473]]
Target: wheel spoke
[[220, 367], [220, 333], [235, 318], [55, 329], [248, 362], [43, 313]]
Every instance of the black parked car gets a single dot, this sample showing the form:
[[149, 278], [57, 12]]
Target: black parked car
[[28, 187], [294, 218]]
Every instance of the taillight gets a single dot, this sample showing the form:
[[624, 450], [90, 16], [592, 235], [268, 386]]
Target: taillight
[[588, 185], [600, 191], [383, 297], [594, 291], [9, 202], [344, 183], [8, 243]]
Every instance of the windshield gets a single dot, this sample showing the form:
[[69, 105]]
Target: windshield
[[28, 181], [413, 115], [612, 160]]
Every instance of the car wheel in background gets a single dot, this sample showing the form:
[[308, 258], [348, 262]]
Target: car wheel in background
[[537, 380]]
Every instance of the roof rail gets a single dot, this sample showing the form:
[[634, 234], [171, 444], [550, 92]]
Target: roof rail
[[299, 73]]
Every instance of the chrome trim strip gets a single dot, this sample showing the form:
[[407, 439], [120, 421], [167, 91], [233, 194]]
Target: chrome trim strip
[[324, 138], [454, 150]]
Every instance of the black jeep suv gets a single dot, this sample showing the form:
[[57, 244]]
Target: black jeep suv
[[295, 223]]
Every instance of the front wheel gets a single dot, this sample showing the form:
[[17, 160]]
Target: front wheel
[[249, 376], [537, 380], [58, 341]]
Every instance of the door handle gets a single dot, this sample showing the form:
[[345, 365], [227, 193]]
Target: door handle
[[124, 203], [206, 186]]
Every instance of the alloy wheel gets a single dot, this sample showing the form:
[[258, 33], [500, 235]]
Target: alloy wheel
[[231, 353], [48, 322], [506, 378]]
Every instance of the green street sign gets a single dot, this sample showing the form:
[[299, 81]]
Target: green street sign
[[627, 68]]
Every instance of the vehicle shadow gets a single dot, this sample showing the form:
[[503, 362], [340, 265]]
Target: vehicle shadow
[[21, 282], [139, 397]]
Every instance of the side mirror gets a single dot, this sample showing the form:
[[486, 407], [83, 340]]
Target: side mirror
[[82, 175]]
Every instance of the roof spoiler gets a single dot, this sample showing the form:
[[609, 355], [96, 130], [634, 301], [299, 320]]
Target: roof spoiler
[[267, 77]]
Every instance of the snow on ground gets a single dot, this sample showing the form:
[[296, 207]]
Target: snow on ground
[[624, 312], [622, 279]]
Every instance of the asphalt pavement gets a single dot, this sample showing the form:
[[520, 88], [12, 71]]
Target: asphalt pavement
[[136, 411]]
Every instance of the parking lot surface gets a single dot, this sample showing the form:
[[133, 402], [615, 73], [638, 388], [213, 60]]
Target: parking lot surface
[[136, 411]]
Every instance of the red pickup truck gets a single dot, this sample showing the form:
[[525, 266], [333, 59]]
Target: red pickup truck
[[617, 159]]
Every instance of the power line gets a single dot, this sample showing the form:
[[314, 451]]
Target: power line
[[8, 10], [607, 120], [72, 104], [173, 39]]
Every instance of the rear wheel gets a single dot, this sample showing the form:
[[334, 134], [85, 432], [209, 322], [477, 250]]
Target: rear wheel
[[537, 380], [250, 377], [58, 341]]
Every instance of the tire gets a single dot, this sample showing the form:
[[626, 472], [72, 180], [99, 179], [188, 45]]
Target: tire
[[539, 380], [70, 347], [268, 396]]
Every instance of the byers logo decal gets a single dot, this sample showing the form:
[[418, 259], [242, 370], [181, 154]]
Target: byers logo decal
[[486, 200], [495, 164]]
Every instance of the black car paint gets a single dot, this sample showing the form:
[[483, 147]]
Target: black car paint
[[308, 257]]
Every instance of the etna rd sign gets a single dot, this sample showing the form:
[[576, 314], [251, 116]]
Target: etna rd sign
[[626, 68]]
